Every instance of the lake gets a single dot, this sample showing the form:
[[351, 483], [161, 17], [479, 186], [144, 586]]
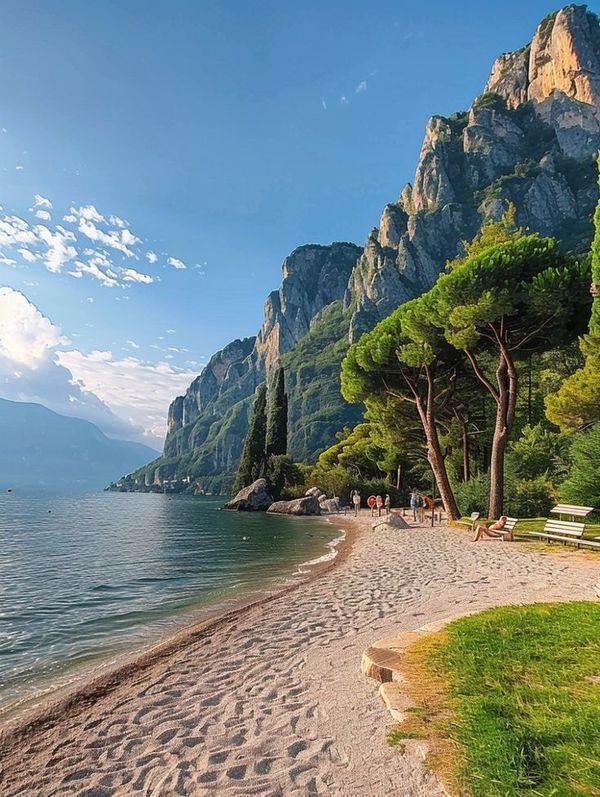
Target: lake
[[84, 578]]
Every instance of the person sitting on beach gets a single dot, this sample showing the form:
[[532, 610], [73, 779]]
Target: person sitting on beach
[[481, 530]]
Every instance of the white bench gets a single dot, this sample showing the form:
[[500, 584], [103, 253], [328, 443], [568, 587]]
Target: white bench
[[564, 531], [571, 510], [509, 527], [474, 517]]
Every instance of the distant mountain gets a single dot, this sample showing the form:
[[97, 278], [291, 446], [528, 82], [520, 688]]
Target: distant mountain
[[530, 138], [39, 447]]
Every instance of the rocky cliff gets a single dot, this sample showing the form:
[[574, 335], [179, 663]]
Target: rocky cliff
[[529, 138]]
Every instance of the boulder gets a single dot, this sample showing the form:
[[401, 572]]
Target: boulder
[[392, 520], [330, 505], [253, 498], [308, 505], [313, 491]]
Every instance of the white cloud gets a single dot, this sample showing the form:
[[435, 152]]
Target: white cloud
[[27, 255], [43, 214], [136, 391], [131, 275], [19, 168], [323, 104], [89, 213], [26, 336], [362, 86], [94, 267], [173, 261], [117, 222], [112, 238], [344, 100], [60, 249], [41, 202], [132, 344], [152, 256]]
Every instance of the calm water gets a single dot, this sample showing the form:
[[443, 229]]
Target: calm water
[[83, 578]]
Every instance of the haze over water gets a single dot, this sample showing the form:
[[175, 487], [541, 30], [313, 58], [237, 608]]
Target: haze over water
[[83, 578]]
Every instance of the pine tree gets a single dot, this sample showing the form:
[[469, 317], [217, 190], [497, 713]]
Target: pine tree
[[577, 402], [252, 462], [278, 412]]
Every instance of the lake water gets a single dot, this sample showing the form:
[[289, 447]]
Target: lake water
[[84, 578]]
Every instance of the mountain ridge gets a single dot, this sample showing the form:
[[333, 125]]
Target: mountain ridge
[[529, 139], [42, 448]]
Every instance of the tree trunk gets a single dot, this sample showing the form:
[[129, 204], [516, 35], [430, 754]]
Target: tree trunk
[[434, 452], [438, 466], [499, 441]]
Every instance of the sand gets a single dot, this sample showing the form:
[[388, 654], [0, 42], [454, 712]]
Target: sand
[[271, 701]]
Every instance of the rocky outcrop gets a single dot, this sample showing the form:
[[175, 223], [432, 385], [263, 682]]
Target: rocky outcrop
[[309, 505], [530, 139], [253, 498]]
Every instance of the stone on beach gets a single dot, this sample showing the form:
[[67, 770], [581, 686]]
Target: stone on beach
[[393, 520], [309, 505], [253, 498]]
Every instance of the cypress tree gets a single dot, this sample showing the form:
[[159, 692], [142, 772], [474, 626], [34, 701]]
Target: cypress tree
[[278, 412], [252, 462]]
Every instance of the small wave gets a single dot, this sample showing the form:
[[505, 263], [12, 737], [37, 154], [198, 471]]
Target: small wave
[[326, 557]]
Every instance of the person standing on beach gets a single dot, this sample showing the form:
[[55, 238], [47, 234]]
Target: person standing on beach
[[387, 504], [414, 503], [356, 502]]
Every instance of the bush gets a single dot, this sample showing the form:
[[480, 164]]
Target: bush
[[583, 484], [529, 497], [472, 496]]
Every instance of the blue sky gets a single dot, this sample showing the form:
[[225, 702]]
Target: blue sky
[[218, 136]]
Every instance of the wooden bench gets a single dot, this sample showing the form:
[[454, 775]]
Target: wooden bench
[[564, 531], [474, 517]]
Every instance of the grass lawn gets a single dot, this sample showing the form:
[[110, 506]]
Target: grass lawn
[[514, 695]]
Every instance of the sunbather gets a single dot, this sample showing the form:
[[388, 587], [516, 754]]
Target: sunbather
[[495, 527]]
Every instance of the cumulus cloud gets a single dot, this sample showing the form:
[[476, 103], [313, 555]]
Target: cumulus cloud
[[43, 214], [59, 246], [126, 397], [152, 256], [173, 261], [41, 202], [136, 391], [27, 255]]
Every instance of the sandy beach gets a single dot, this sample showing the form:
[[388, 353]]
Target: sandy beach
[[270, 700]]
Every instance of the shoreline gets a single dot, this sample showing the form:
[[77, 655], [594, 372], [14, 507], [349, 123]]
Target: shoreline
[[270, 699], [21, 717]]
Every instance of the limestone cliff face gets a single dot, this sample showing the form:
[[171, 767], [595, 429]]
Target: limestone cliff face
[[529, 138], [206, 426]]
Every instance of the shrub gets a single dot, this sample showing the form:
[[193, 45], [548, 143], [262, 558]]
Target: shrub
[[472, 496], [583, 484], [529, 497]]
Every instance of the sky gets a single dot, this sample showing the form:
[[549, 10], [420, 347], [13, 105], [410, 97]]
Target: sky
[[159, 159]]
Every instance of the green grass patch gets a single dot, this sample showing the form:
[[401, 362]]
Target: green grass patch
[[523, 688]]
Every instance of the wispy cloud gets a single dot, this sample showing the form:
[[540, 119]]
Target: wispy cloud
[[41, 202], [362, 86], [151, 256], [176, 263]]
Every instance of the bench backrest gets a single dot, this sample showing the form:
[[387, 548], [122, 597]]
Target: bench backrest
[[564, 527], [572, 509], [475, 516]]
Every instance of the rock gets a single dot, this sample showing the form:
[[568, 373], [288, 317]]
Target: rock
[[330, 505], [313, 491], [253, 498], [308, 505], [392, 520]]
